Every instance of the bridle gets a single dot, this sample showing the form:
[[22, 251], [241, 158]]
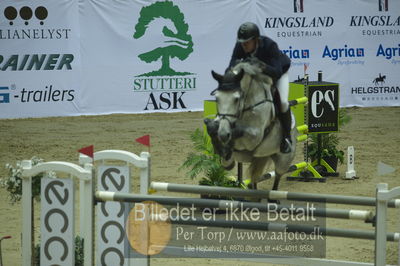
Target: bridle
[[241, 108]]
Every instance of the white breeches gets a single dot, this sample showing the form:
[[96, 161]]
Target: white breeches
[[283, 88]]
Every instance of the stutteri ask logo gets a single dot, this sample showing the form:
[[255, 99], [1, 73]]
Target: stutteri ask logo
[[178, 42]]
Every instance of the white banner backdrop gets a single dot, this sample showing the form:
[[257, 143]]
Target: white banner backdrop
[[154, 56], [135, 56], [39, 58], [355, 43]]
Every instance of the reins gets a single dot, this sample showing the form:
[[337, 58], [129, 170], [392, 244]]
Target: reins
[[240, 111]]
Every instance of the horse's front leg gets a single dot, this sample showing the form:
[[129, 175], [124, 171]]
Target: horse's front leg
[[224, 151], [228, 164]]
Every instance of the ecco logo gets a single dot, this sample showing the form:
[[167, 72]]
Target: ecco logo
[[4, 97], [26, 13]]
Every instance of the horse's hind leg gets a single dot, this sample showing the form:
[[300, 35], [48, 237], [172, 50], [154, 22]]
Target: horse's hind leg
[[276, 181], [256, 169], [282, 163]]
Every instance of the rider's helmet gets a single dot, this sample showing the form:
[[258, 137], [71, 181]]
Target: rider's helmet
[[247, 31]]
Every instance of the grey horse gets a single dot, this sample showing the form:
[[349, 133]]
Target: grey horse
[[246, 128]]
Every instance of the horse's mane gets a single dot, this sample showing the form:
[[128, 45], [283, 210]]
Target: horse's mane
[[253, 67]]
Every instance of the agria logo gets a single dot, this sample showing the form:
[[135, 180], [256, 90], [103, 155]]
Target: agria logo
[[166, 85], [178, 43]]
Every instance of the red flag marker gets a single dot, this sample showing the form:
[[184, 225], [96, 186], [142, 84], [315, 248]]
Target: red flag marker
[[145, 140], [89, 150]]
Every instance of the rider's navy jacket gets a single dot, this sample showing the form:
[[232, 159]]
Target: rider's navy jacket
[[277, 62]]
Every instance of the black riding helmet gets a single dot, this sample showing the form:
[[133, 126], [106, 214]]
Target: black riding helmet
[[247, 31]]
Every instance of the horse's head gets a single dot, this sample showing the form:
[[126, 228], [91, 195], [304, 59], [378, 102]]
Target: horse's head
[[229, 102], [243, 88]]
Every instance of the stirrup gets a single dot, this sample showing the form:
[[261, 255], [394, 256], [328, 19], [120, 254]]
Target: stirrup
[[286, 145]]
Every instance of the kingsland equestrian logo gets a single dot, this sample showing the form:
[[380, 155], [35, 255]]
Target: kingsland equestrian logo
[[378, 20], [166, 85], [298, 22], [374, 21], [298, 6], [298, 26]]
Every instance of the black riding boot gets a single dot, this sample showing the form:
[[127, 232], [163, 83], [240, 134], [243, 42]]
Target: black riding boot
[[286, 122]]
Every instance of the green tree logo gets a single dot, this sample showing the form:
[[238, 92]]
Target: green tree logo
[[179, 45]]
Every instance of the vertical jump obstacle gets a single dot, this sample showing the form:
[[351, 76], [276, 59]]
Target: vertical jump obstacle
[[57, 196], [57, 203]]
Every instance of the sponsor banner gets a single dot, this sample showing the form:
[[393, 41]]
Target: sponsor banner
[[354, 43], [57, 226], [111, 215], [323, 111], [154, 56], [39, 58], [73, 57]]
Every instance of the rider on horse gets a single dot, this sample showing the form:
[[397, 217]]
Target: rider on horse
[[250, 44]]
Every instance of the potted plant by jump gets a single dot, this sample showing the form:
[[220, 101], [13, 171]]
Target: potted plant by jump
[[329, 144], [203, 161]]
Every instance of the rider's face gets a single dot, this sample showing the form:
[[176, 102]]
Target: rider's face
[[249, 46]]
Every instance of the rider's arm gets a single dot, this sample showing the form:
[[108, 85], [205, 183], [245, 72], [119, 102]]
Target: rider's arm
[[277, 62], [237, 54], [274, 66]]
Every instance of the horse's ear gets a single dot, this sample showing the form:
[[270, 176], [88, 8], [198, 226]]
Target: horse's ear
[[216, 76], [239, 76]]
